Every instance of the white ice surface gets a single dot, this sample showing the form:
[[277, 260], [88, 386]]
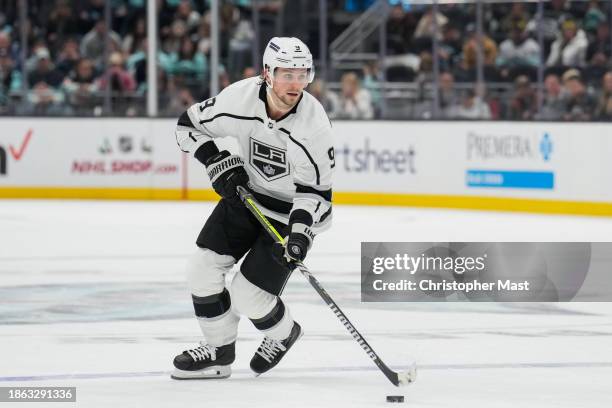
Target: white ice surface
[[92, 295]]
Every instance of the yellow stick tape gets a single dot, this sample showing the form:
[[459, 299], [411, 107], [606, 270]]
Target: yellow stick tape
[[264, 219]]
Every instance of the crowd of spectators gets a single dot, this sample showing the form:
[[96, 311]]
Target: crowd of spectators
[[75, 65], [70, 68], [575, 54]]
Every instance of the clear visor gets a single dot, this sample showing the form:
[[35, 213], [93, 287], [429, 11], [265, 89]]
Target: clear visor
[[300, 76]]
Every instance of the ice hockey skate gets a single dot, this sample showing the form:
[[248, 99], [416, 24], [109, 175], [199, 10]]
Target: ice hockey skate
[[204, 362], [270, 351]]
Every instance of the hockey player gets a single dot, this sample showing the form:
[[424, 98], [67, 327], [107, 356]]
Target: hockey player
[[286, 162]]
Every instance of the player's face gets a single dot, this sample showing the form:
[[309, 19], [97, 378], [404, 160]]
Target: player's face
[[289, 83]]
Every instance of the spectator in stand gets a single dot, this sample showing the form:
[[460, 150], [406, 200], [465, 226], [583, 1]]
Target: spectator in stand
[[399, 31], [597, 68], [553, 15], [518, 51], [448, 99], [134, 38], [448, 95], [569, 49], [62, 24], [425, 27], [136, 63], [450, 46], [604, 107], [240, 46], [328, 99], [370, 81], [44, 70], [186, 13], [518, 17], [579, 104], [68, 57], [188, 62], [43, 100], [117, 77], [204, 37], [10, 47], [224, 79], [425, 73], [10, 81], [180, 102], [92, 45], [472, 107], [122, 86], [89, 12], [553, 104], [470, 49], [248, 72], [172, 43], [355, 102], [593, 17], [31, 61], [523, 105], [80, 88], [601, 43]]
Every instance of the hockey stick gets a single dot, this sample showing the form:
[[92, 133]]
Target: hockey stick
[[397, 378]]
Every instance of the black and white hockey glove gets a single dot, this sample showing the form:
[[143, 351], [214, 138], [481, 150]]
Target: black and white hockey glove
[[226, 173], [298, 242]]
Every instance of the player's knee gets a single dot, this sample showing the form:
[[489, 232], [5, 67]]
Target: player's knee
[[250, 300], [206, 271]]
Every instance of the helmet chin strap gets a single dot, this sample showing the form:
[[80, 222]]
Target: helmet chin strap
[[271, 76]]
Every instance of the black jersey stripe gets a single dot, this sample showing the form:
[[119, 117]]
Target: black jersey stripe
[[326, 194], [185, 120], [305, 151], [232, 116], [272, 203]]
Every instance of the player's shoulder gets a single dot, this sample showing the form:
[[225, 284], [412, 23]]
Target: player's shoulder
[[313, 124], [312, 112], [240, 93], [313, 128]]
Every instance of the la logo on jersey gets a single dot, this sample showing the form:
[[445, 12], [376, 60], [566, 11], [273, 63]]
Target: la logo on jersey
[[269, 161]]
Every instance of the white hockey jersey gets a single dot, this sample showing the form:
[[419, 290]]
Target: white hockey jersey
[[289, 161]]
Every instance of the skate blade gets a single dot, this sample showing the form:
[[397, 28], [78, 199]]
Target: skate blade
[[210, 373]]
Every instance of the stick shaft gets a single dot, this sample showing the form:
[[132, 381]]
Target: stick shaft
[[251, 205]]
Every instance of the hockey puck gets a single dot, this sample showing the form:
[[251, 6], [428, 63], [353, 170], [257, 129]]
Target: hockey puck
[[395, 398]]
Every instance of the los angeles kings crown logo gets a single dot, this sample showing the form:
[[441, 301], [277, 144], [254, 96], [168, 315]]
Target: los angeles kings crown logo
[[269, 161]]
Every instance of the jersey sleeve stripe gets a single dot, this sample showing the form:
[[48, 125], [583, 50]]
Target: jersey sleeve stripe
[[185, 120], [302, 189], [231, 116], [306, 152]]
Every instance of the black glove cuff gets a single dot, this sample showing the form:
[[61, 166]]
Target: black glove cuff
[[206, 152], [300, 216]]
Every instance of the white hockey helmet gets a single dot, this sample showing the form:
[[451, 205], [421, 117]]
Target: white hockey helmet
[[287, 52]]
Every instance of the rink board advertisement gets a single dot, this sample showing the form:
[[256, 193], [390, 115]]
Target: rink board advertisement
[[485, 271], [549, 167], [97, 154]]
